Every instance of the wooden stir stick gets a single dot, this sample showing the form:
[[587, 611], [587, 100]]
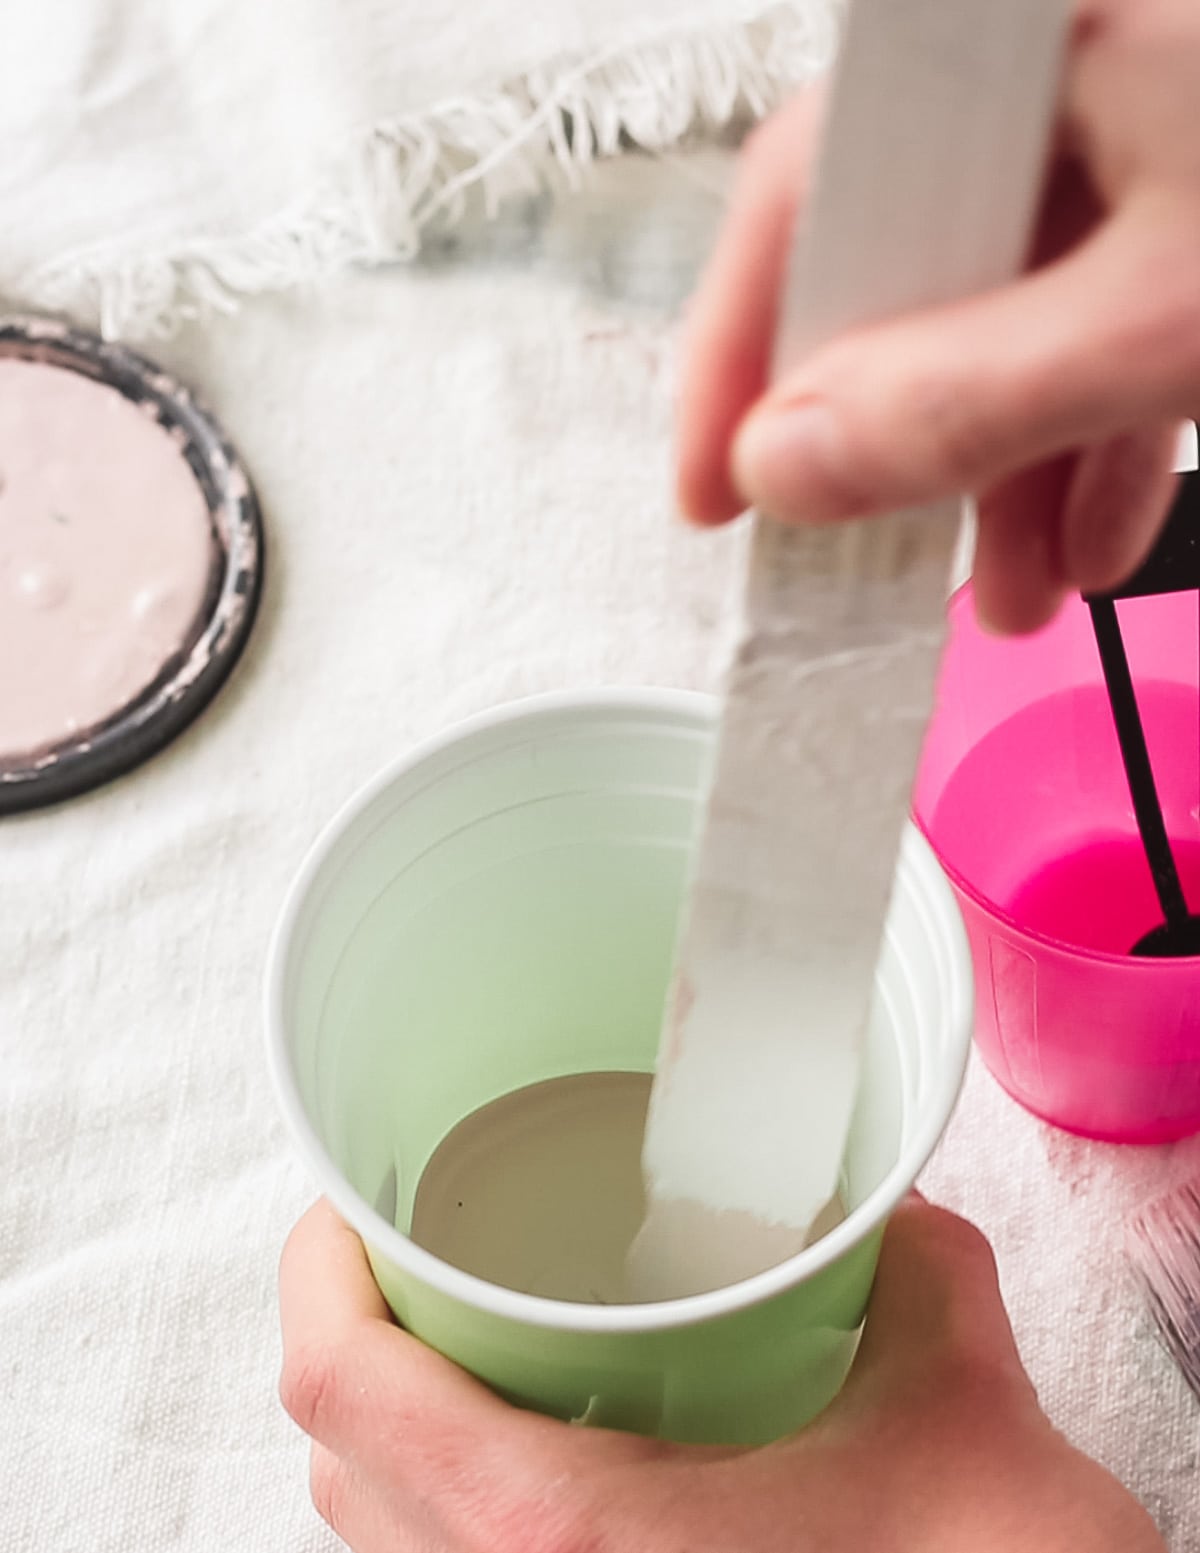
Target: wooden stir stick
[[926, 189]]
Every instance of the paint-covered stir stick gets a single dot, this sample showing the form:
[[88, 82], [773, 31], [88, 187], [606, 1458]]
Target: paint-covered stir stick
[[925, 192]]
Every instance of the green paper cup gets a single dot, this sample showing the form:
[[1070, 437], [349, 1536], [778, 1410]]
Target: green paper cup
[[500, 908]]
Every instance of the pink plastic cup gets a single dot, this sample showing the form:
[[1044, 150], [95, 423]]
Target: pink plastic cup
[[1023, 796]]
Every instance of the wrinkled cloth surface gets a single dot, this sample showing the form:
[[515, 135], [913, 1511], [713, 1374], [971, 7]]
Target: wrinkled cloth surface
[[465, 470]]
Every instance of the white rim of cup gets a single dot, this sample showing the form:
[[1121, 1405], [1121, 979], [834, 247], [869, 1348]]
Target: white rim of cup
[[562, 1315]]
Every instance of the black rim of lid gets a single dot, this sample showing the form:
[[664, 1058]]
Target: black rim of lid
[[191, 677]]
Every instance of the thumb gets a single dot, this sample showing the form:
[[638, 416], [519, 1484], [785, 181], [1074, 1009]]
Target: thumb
[[956, 398], [936, 1304]]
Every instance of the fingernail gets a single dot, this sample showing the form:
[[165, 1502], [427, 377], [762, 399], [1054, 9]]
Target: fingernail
[[791, 462]]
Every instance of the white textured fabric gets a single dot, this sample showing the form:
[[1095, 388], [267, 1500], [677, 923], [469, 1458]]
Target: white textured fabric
[[158, 158], [464, 467]]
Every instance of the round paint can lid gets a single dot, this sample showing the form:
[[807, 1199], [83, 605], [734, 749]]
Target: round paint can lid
[[180, 683]]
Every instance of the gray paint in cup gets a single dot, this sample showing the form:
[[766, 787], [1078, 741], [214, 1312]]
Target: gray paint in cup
[[541, 1190]]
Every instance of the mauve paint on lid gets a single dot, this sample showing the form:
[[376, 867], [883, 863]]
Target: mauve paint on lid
[[131, 560]]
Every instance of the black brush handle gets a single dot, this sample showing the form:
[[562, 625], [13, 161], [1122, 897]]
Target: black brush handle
[[1136, 758], [1173, 566]]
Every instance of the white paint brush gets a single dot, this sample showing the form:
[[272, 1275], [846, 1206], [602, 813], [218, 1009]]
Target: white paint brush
[[1164, 1251], [926, 189]]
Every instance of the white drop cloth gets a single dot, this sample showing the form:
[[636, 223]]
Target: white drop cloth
[[160, 158], [464, 466]]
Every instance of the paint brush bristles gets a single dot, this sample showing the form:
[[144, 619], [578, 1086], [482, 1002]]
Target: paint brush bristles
[[1164, 1250]]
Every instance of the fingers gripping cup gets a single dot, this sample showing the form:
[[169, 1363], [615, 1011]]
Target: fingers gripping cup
[[1023, 793], [499, 911]]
